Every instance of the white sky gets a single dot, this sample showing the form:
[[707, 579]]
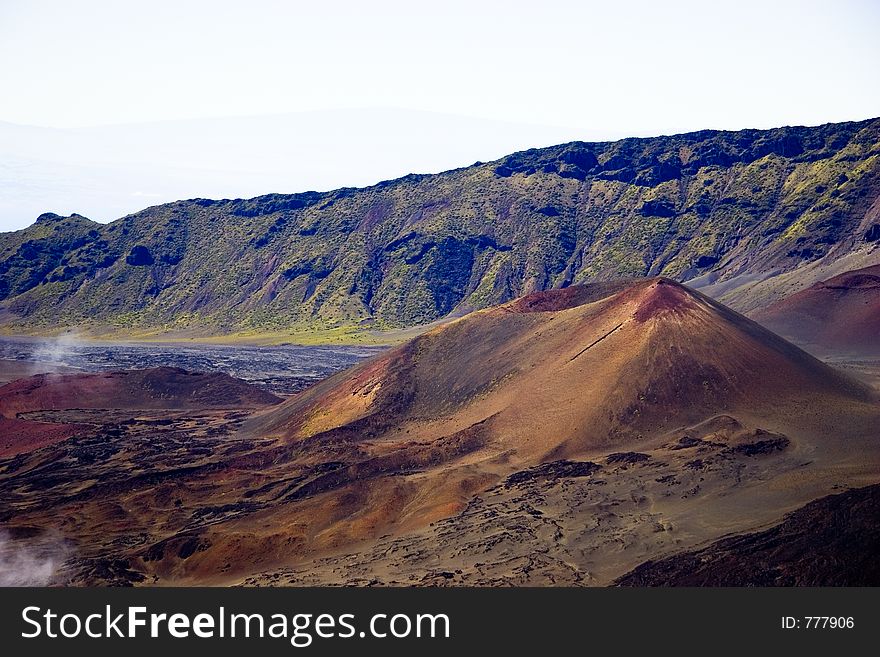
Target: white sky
[[576, 68]]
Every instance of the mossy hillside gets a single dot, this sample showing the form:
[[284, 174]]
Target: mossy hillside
[[29, 257], [412, 250]]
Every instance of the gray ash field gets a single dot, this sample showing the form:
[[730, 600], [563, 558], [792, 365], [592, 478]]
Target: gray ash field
[[282, 370]]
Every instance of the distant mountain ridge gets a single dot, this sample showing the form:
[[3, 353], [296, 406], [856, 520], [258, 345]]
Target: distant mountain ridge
[[706, 206]]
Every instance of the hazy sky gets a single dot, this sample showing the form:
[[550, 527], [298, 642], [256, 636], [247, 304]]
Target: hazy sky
[[627, 66], [594, 69]]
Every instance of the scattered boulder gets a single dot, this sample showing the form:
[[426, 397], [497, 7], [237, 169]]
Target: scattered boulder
[[686, 442]]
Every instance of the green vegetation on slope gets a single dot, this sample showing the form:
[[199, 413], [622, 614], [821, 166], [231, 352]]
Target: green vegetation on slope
[[412, 250]]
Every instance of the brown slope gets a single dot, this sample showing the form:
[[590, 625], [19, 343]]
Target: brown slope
[[839, 315], [21, 436]]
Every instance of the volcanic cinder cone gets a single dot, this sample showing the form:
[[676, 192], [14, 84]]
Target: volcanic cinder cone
[[155, 388], [644, 371], [567, 371], [158, 388], [840, 315]]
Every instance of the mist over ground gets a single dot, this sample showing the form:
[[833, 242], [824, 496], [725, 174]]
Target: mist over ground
[[32, 561]]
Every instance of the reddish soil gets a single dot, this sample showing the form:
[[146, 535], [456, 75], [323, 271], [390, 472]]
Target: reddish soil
[[569, 297], [667, 297], [21, 436]]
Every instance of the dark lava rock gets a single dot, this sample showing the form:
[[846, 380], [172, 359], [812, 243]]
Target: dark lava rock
[[832, 541], [548, 211], [656, 173], [48, 217], [873, 233], [706, 261], [553, 470], [570, 171], [108, 572], [580, 157], [183, 545], [627, 457], [767, 446], [190, 546]]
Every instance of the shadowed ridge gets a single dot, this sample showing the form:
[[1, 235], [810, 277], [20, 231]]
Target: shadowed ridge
[[423, 248]]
